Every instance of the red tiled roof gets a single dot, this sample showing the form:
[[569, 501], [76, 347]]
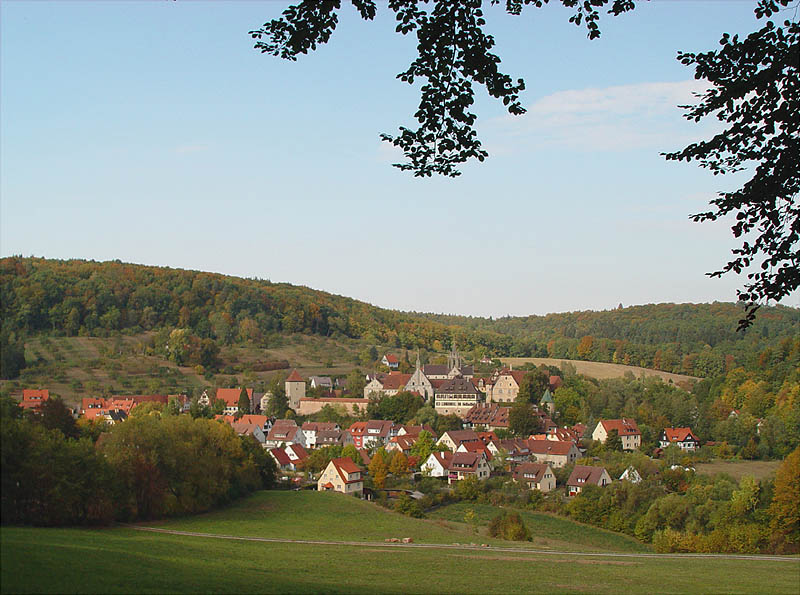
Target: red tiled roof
[[396, 381], [280, 456], [231, 395], [488, 414], [550, 447], [283, 429], [35, 394], [344, 467], [585, 475], [477, 447], [443, 457], [294, 377], [460, 436], [462, 461], [624, 426], [298, 451], [534, 471], [357, 428], [392, 359], [679, 434], [252, 418]]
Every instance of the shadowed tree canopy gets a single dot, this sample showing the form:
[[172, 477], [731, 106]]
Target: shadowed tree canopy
[[754, 90]]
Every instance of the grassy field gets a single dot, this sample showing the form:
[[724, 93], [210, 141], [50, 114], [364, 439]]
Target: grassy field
[[317, 515], [123, 560], [738, 469], [600, 370], [548, 531]]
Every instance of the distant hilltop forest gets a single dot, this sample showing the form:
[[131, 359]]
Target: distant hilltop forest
[[78, 297]]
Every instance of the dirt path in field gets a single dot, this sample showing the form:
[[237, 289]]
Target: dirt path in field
[[462, 547]]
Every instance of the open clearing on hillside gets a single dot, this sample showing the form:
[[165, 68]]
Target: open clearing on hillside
[[599, 370], [74, 367], [738, 469]]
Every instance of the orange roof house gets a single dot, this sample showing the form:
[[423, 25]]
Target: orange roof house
[[33, 398]]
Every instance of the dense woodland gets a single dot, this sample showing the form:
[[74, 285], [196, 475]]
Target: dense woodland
[[59, 472], [200, 312]]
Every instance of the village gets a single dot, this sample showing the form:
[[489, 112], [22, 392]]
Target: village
[[482, 447]]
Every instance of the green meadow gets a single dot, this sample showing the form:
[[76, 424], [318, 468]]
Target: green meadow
[[124, 560]]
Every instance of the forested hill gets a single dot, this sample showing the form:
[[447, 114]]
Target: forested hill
[[93, 298]]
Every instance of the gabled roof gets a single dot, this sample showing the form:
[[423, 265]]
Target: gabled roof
[[550, 447], [294, 377], [344, 467], [624, 426], [416, 430], [530, 471], [465, 461], [321, 380], [405, 442], [243, 428], [35, 394], [231, 395], [443, 458], [476, 447], [488, 414], [459, 436], [282, 430], [585, 475], [395, 381], [252, 418], [383, 427], [392, 359], [435, 370], [357, 428], [679, 434], [556, 382], [458, 386], [517, 375], [280, 456], [298, 451], [564, 434], [547, 397], [329, 436]]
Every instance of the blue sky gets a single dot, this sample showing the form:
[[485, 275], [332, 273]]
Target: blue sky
[[153, 133]]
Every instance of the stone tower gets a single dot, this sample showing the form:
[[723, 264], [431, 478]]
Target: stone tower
[[295, 390]]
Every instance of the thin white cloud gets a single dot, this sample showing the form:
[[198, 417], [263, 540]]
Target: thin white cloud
[[618, 118]]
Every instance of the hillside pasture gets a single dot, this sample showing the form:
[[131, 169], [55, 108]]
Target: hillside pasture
[[601, 370], [75, 367], [738, 469]]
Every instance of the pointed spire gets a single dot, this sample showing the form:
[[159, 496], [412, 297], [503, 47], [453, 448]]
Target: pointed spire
[[418, 364]]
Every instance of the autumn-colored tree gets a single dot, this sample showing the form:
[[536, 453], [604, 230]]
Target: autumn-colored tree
[[784, 513], [378, 471], [585, 346], [399, 464]]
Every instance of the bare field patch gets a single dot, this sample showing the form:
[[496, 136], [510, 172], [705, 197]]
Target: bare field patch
[[738, 469], [600, 370]]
